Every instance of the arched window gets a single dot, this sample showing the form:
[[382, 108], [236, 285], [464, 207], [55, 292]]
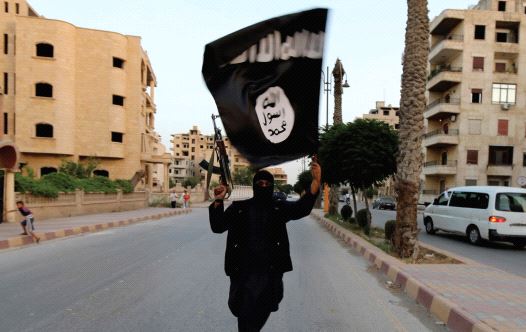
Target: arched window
[[45, 50], [47, 170], [43, 90], [44, 130], [101, 172]]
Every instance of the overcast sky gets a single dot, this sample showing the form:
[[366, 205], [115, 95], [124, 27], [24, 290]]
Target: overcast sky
[[367, 35]]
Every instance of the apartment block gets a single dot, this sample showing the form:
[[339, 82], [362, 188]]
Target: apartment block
[[74, 93], [476, 115], [188, 149], [387, 114], [280, 177]]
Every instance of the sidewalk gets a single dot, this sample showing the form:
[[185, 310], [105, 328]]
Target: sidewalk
[[50, 229], [466, 297]]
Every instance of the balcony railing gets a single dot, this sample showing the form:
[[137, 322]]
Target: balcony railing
[[450, 132], [433, 163], [441, 69], [452, 101]]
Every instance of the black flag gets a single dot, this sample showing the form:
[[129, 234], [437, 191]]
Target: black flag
[[265, 80]]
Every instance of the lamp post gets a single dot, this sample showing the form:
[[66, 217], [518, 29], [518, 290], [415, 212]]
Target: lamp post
[[327, 83]]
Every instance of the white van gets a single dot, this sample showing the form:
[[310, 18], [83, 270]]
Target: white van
[[480, 212]]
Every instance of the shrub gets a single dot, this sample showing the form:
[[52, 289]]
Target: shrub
[[352, 220], [98, 184], [389, 229], [361, 217], [124, 185], [370, 192], [60, 181], [24, 184], [346, 212]]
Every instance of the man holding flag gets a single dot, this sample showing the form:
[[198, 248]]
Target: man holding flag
[[265, 80]]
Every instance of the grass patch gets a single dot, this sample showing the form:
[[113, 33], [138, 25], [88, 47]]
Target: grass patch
[[377, 238]]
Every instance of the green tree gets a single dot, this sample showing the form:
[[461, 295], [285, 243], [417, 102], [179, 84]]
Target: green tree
[[81, 170], [412, 107], [286, 188], [243, 176], [191, 181], [303, 183], [360, 153]]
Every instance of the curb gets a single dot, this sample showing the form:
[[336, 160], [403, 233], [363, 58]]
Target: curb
[[24, 240], [451, 314]]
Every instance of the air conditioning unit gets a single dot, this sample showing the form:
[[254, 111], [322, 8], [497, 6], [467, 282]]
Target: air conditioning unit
[[505, 107]]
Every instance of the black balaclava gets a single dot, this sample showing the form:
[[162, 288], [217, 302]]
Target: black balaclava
[[263, 193]]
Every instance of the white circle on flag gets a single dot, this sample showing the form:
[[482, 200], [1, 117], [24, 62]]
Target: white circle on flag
[[275, 114]]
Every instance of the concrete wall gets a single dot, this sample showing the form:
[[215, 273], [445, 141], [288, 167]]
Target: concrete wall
[[80, 203]]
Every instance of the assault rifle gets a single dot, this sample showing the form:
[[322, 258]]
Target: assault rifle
[[225, 177]]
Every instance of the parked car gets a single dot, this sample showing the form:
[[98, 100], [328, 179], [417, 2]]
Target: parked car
[[384, 203], [480, 213], [279, 196]]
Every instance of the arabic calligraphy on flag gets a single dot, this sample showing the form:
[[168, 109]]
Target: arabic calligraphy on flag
[[265, 80]]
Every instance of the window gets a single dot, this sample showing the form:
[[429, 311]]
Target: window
[[502, 6], [101, 172], [502, 37], [118, 100], [118, 62], [6, 123], [193, 149], [397, 126], [524, 159], [47, 170], [474, 126], [43, 90], [478, 63], [44, 130], [469, 200], [6, 6], [386, 113], [116, 137], [6, 43], [476, 96], [480, 32], [6, 83], [511, 202], [17, 8], [193, 141], [443, 199], [45, 50], [503, 93], [473, 157], [500, 67], [500, 155], [470, 182], [502, 129]]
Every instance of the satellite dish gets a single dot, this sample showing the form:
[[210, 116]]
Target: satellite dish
[[521, 180]]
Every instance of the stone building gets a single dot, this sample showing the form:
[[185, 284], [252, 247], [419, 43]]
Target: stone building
[[387, 114], [280, 177], [189, 149], [73, 93], [476, 119]]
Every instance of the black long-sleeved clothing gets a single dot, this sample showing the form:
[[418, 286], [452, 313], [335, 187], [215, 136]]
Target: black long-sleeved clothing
[[260, 230]]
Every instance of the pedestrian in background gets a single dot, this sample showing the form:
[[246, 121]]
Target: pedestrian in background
[[186, 199], [27, 223], [173, 199], [257, 248]]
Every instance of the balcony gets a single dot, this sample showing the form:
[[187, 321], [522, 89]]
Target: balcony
[[442, 108], [444, 78], [499, 170], [439, 139], [446, 22], [446, 49], [438, 167]]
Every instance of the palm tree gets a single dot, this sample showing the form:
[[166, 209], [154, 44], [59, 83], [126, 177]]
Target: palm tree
[[412, 106]]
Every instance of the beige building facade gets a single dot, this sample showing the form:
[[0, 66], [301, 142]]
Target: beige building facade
[[476, 116], [74, 93], [280, 177], [387, 114], [189, 149]]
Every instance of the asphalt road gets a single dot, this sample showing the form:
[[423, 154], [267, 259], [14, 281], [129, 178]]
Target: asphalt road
[[168, 276], [500, 255]]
